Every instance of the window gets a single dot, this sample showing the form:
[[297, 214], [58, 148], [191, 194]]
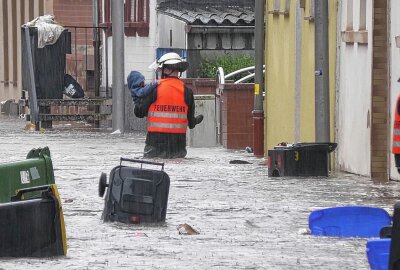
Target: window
[[363, 14], [287, 7], [349, 15], [137, 17], [360, 35], [275, 8], [277, 4], [311, 9]]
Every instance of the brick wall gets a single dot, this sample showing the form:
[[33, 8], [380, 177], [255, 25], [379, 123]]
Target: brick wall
[[80, 64], [201, 86], [237, 120], [74, 12], [380, 94]]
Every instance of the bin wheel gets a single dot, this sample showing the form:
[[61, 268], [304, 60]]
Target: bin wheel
[[276, 173], [386, 232], [102, 184]]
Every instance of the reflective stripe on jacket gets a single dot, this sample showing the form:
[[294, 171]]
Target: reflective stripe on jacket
[[396, 129], [168, 113]]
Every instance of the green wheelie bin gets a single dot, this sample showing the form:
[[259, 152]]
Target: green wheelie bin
[[35, 170]]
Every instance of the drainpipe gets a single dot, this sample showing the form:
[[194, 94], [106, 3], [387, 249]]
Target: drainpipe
[[96, 45], [297, 85], [118, 88], [322, 119], [258, 112]]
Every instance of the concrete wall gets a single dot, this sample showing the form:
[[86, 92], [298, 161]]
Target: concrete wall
[[354, 99], [290, 91], [204, 134], [395, 74]]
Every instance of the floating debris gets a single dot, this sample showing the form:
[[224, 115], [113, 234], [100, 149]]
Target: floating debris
[[140, 234], [32, 127], [186, 229], [248, 149], [117, 132], [238, 161]]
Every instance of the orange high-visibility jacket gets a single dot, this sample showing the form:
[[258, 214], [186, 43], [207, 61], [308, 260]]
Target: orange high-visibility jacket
[[168, 113], [396, 129]]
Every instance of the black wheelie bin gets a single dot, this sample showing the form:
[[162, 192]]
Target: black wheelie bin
[[135, 194], [300, 159]]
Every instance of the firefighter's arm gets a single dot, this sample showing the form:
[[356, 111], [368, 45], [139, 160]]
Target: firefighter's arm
[[189, 99], [143, 106]]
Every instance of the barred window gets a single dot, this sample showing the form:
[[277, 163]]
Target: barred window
[[137, 17]]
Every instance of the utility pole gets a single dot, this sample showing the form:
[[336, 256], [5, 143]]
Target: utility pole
[[322, 115], [118, 89], [258, 112]]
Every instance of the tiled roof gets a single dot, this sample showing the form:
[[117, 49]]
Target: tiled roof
[[219, 15]]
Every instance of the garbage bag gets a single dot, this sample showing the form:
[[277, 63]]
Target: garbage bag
[[72, 88]]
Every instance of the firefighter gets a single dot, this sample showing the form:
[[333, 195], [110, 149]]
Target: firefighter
[[396, 135], [170, 109]]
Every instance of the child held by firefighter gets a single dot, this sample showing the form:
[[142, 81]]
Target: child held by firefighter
[[137, 86]]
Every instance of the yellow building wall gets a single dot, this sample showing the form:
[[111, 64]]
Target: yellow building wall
[[307, 112], [280, 67], [281, 72]]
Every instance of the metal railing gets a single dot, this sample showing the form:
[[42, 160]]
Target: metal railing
[[248, 70], [86, 46], [246, 74]]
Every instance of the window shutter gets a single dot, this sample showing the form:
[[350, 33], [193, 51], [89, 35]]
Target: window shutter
[[137, 17]]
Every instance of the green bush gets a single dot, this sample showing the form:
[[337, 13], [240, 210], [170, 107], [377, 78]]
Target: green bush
[[230, 63]]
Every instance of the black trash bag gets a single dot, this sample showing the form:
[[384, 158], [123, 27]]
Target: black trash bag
[[72, 88]]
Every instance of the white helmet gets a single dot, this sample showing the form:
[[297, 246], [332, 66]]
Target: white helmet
[[172, 59]]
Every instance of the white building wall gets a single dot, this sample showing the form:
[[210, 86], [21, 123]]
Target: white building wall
[[354, 97], [395, 74], [171, 32], [140, 52]]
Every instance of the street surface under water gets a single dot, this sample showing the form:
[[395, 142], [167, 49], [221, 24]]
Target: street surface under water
[[246, 220]]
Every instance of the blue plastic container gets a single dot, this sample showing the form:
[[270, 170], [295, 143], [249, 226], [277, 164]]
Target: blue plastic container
[[348, 221], [378, 251]]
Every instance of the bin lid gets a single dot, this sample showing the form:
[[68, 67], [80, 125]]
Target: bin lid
[[312, 146], [348, 221]]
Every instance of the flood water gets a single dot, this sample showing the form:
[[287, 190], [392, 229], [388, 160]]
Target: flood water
[[246, 220]]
